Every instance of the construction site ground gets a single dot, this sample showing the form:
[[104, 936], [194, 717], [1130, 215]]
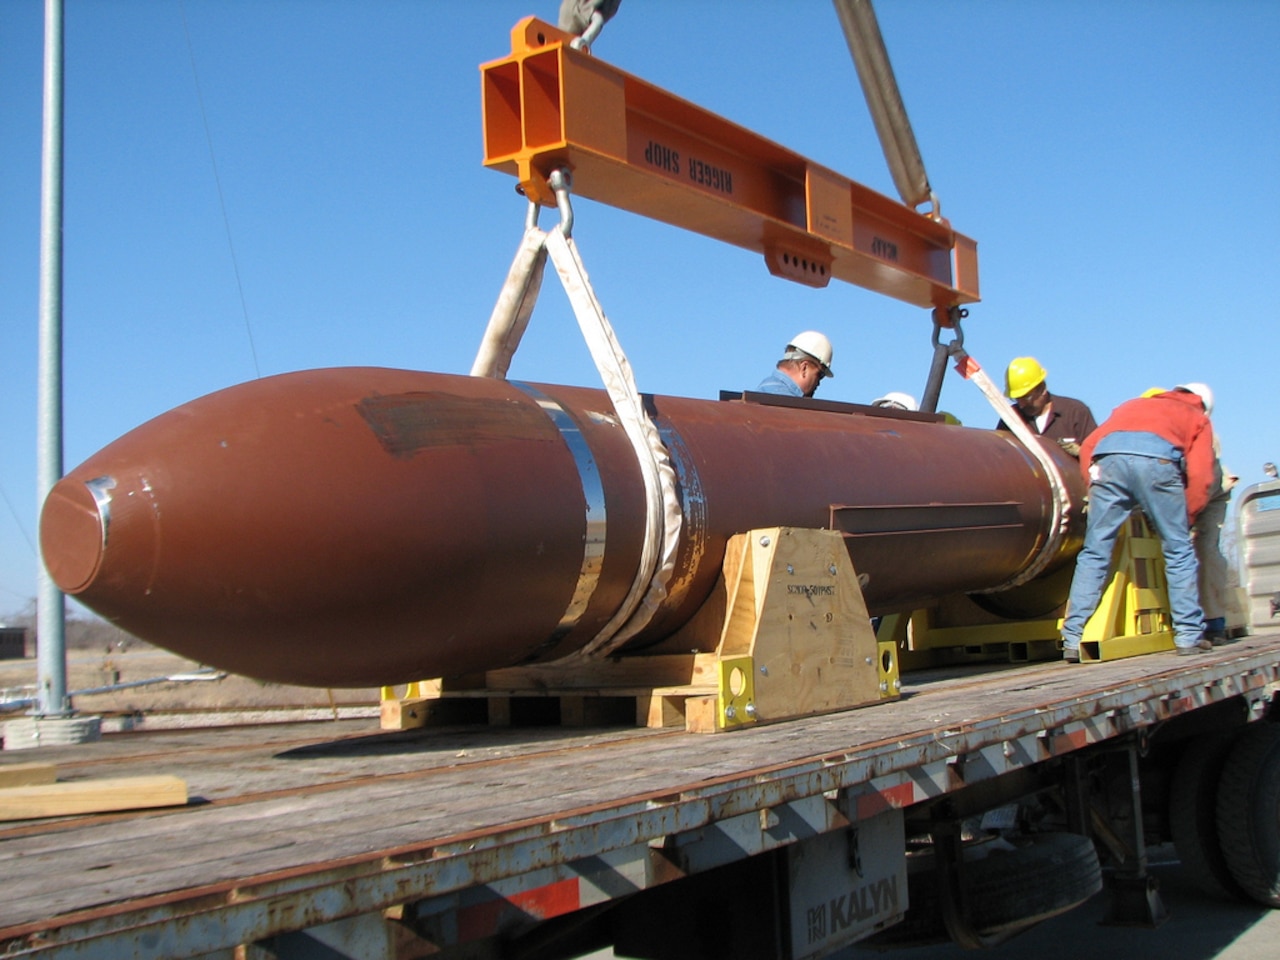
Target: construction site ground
[[198, 697]]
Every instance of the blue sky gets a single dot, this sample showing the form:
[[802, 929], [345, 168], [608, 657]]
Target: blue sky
[[1114, 159]]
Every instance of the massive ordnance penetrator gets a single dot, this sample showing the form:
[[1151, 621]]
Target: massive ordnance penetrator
[[363, 526]]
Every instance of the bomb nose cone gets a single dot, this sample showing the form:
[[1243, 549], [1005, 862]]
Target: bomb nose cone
[[343, 527], [73, 531]]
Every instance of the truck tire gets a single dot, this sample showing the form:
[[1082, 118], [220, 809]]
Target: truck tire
[[1009, 888], [1193, 816], [1054, 873], [1249, 812]]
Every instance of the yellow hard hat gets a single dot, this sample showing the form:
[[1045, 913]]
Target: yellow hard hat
[[1153, 392], [1023, 375]]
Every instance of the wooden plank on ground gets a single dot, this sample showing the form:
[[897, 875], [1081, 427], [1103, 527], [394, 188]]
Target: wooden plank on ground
[[27, 774], [91, 796]]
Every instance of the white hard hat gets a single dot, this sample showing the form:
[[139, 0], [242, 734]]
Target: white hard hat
[[1202, 391], [810, 345], [900, 401]]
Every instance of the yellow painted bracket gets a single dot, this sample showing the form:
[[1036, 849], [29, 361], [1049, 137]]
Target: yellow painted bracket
[[1133, 617], [634, 146], [736, 694], [409, 711]]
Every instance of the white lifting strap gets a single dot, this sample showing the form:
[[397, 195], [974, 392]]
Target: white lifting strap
[[970, 369], [515, 304], [663, 516]]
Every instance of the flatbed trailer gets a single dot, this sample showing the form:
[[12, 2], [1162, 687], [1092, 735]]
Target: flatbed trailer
[[339, 840]]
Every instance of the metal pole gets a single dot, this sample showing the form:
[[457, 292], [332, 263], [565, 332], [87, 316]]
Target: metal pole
[[51, 654]]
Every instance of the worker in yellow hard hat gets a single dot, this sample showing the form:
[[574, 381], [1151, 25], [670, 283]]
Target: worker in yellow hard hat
[[1064, 419], [805, 362]]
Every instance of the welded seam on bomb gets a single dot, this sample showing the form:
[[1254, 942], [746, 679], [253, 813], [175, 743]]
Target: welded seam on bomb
[[594, 539]]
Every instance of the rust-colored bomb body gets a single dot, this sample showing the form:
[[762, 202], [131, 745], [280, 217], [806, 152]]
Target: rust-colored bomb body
[[362, 526]]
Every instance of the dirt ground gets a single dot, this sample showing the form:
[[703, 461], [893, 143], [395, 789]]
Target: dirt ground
[[87, 670]]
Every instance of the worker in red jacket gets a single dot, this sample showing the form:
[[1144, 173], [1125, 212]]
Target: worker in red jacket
[[1154, 453]]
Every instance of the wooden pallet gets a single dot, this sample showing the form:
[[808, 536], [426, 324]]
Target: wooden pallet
[[794, 640], [647, 691]]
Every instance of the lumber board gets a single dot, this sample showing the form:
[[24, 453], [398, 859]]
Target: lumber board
[[27, 774], [91, 796]]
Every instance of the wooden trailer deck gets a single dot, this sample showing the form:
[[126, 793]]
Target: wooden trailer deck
[[292, 826]]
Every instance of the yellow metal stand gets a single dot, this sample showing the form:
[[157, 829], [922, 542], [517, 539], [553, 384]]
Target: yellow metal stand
[[957, 631], [1133, 617]]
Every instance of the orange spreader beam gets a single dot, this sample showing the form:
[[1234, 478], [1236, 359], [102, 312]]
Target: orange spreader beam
[[634, 146]]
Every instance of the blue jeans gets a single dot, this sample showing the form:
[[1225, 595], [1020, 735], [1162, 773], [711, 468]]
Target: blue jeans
[[1125, 481]]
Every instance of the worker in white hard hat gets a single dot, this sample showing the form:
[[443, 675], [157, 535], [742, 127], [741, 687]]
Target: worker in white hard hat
[[894, 400], [1206, 533], [1202, 391], [804, 364], [1064, 419]]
